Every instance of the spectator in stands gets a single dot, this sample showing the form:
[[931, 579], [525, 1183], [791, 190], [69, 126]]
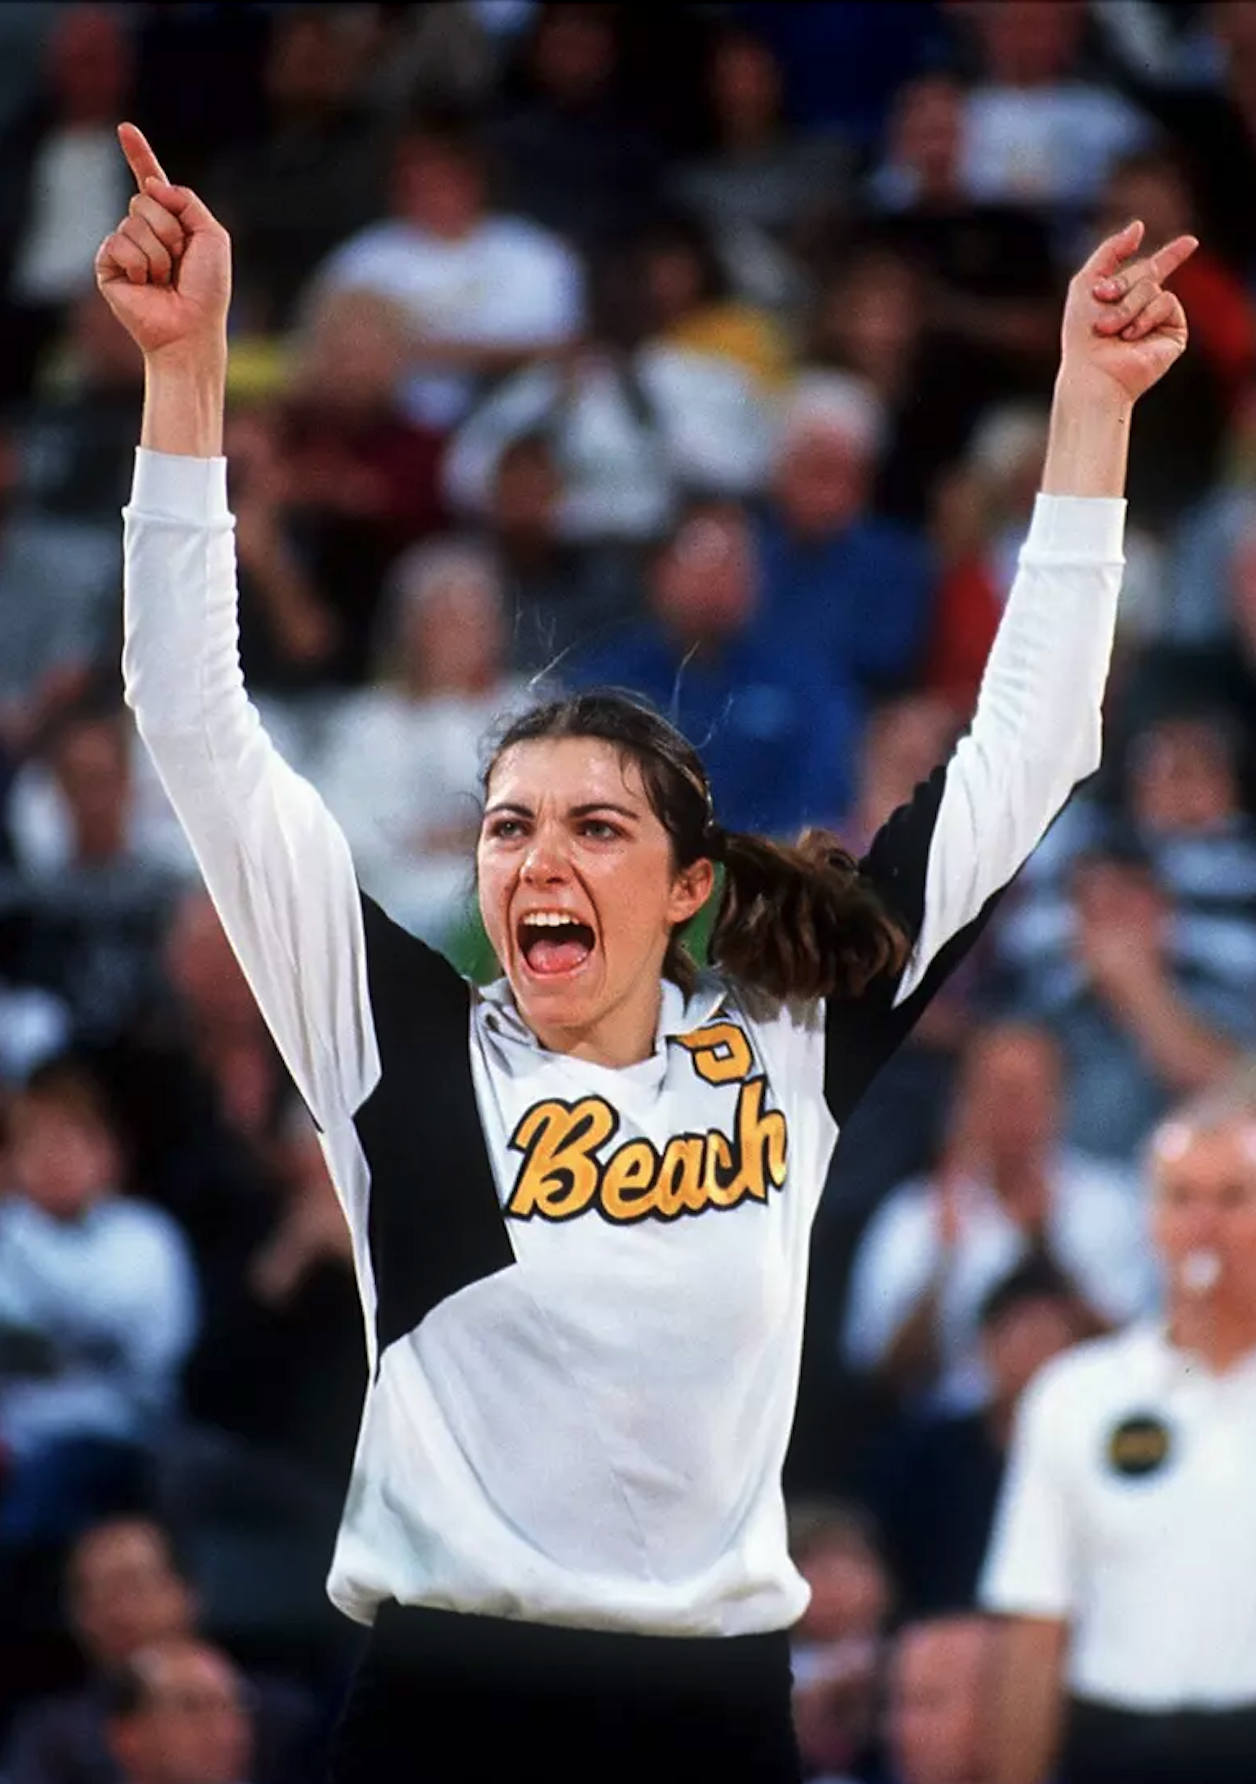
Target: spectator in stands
[[222, 1021], [291, 636], [991, 284], [1209, 113], [851, 588], [344, 475], [178, 1714], [935, 1478], [98, 1306], [690, 303], [1142, 954], [777, 734], [871, 320], [485, 292], [1007, 1189], [281, 1363], [126, 1594], [635, 424], [60, 185], [94, 904], [977, 512], [905, 739], [316, 137], [1035, 130], [201, 1092], [842, 67], [573, 154], [939, 1683], [766, 192], [401, 758], [40, 822], [442, 56], [1125, 1538], [837, 1641], [1211, 620], [60, 560], [560, 596]]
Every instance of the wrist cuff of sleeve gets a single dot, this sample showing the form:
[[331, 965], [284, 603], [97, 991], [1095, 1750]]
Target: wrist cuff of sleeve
[[1089, 527], [192, 489]]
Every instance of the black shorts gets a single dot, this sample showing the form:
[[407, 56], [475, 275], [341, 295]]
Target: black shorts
[[1106, 1745], [446, 1699]]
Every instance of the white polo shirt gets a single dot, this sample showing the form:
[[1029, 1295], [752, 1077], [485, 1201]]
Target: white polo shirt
[[1129, 1511]]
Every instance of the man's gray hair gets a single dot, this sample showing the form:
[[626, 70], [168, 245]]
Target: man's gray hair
[[1231, 1102]]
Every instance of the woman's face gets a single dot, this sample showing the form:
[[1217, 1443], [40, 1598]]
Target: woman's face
[[579, 893]]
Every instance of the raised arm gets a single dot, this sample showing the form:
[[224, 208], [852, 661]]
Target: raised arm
[[942, 860], [273, 859]]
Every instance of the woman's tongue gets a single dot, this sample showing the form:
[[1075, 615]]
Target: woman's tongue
[[558, 950]]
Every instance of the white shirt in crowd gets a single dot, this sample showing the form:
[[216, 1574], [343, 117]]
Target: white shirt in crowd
[[1096, 1231], [394, 770], [508, 283], [81, 183], [109, 1302], [34, 1025], [1129, 1512], [41, 824], [699, 422], [1047, 145]]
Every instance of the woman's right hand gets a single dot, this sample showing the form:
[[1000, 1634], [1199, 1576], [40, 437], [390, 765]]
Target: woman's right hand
[[165, 272]]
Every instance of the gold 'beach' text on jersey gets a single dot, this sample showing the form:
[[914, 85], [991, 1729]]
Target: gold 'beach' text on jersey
[[563, 1176]]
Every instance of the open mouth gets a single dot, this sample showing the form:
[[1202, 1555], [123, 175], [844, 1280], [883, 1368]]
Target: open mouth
[[552, 943]]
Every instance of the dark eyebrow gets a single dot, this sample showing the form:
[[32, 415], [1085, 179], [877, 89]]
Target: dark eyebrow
[[586, 811], [577, 811]]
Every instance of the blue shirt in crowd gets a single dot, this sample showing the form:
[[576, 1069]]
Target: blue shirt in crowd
[[777, 734]]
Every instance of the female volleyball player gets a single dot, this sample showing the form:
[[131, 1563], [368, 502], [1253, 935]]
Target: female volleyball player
[[580, 1198]]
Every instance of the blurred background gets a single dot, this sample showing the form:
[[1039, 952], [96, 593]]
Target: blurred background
[[708, 352]]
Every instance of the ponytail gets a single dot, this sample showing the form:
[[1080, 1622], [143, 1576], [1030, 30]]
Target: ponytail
[[799, 923]]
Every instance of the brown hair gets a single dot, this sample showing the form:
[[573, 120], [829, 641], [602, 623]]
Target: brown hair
[[794, 923]]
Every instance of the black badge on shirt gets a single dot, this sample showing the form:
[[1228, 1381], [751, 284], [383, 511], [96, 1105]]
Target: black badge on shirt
[[1139, 1445]]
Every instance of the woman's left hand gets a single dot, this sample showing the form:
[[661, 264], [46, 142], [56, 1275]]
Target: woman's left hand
[[1120, 324]]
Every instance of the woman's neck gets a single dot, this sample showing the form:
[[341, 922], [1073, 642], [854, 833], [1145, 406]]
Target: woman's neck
[[620, 1037]]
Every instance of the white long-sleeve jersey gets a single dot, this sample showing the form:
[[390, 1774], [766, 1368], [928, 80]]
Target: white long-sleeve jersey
[[583, 1288]]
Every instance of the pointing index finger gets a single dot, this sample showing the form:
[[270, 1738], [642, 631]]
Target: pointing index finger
[[1165, 261], [139, 156]]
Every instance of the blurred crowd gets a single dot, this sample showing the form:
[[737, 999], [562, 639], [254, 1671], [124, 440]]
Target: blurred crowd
[[708, 354]]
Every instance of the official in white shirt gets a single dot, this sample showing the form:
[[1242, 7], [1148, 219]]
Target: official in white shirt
[[1124, 1552]]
